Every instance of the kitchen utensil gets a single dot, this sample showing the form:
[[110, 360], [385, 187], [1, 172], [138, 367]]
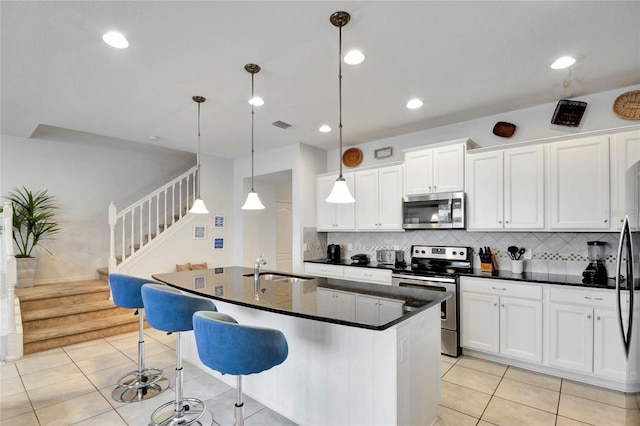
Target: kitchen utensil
[[520, 253], [568, 113], [504, 129], [352, 157], [627, 105], [512, 251]]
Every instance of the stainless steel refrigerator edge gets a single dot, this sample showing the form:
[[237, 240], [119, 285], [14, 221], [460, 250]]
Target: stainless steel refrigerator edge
[[628, 269]]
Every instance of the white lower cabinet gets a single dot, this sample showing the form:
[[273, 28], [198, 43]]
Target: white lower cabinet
[[336, 304], [324, 270], [368, 275], [584, 334], [377, 310], [502, 317]]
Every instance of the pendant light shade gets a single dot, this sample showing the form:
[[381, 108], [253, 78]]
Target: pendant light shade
[[198, 205], [253, 201], [340, 193]]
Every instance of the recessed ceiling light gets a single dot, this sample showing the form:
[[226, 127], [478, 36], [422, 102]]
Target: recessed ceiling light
[[154, 138], [115, 39], [256, 101], [414, 104], [324, 128], [564, 62], [354, 57]]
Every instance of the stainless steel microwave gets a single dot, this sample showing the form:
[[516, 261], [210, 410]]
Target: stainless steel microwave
[[434, 211]]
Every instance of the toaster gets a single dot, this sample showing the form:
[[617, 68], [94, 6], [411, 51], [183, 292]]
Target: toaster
[[390, 257]]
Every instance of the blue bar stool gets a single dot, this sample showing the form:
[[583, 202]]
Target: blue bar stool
[[143, 383], [171, 310], [231, 348]]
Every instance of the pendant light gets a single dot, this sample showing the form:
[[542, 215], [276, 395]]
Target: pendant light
[[253, 201], [340, 193], [198, 205]]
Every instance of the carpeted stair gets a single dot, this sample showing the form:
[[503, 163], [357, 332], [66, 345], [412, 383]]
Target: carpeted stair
[[56, 315]]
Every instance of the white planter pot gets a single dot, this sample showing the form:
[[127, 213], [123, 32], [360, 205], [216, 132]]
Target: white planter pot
[[26, 267]]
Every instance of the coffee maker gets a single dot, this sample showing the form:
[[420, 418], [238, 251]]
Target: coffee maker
[[333, 253], [596, 272]]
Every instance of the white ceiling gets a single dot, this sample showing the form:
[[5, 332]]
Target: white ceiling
[[464, 59]]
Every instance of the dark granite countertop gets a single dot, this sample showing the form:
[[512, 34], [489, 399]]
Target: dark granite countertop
[[299, 298], [533, 277]]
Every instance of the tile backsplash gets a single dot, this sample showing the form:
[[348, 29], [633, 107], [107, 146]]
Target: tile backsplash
[[552, 252]]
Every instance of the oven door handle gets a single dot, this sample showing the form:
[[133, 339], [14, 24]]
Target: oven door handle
[[423, 278]]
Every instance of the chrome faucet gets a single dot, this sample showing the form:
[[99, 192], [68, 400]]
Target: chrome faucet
[[256, 267]]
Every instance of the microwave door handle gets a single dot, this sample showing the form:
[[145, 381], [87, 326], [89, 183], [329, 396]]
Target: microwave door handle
[[450, 203]]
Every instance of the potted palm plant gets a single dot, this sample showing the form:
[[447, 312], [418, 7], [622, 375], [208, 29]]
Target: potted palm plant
[[33, 221]]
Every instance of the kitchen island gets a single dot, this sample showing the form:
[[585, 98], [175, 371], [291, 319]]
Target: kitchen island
[[359, 354]]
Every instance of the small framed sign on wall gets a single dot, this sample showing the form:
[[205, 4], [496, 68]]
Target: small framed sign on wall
[[199, 232], [218, 243], [218, 221]]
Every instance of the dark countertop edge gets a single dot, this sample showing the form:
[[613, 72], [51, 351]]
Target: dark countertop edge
[[532, 277], [439, 298]]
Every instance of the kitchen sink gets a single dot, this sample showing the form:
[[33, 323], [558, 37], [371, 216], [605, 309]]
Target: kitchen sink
[[280, 277]]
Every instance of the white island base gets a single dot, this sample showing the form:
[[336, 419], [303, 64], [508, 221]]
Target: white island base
[[343, 375]]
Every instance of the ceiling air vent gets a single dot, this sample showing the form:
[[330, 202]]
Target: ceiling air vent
[[281, 124]]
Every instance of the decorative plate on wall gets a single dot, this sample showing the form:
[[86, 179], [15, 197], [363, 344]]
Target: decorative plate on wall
[[627, 105], [352, 157]]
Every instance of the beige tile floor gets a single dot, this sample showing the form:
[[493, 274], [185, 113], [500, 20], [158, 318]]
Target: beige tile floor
[[72, 386], [478, 392]]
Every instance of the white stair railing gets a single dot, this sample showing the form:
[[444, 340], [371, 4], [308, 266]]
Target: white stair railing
[[136, 226], [10, 331]]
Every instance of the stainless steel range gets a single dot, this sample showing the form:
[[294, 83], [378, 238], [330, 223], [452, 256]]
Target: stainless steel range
[[436, 268]]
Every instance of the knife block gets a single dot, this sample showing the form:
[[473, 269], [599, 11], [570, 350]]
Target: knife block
[[486, 267]]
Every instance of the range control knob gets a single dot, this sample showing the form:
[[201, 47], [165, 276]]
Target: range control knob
[[461, 253], [423, 252], [454, 253]]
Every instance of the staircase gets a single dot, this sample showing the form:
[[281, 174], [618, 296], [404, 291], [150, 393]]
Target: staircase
[[56, 315]]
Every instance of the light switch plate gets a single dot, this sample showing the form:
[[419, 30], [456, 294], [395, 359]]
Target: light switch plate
[[528, 254]]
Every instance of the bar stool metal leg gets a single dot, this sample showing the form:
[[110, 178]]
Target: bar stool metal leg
[[143, 383], [239, 403], [185, 411]]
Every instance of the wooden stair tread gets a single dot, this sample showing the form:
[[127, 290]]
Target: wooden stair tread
[[83, 327], [48, 291], [60, 311]]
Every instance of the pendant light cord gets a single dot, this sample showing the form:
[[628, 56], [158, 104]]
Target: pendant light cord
[[198, 154], [252, 116], [340, 95]]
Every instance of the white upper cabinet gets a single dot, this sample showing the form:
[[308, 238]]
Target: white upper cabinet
[[505, 189], [334, 217], [439, 169], [579, 184], [379, 202], [625, 151]]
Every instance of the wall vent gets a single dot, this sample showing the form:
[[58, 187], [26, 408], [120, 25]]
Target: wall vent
[[281, 124]]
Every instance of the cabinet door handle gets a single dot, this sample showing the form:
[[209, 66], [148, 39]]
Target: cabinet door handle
[[429, 188], [434, 188], [598, 318], [498, 288], [499, 221], [506, 221], [621, 220], [606, 220], [589, 316], [593, 298], [502, 305], [495, 304]]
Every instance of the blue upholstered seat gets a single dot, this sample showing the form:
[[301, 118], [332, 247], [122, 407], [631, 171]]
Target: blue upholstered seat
[[143, 383], [171, 310], [232, 348]]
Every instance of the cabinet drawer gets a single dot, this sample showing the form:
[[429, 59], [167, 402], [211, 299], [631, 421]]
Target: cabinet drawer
[[501, 288], [324, 270], [371, 275], [574, 296]]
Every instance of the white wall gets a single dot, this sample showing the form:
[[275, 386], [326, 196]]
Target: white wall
[[85, 173], [177, 245], [532, 124], [304, 162]]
